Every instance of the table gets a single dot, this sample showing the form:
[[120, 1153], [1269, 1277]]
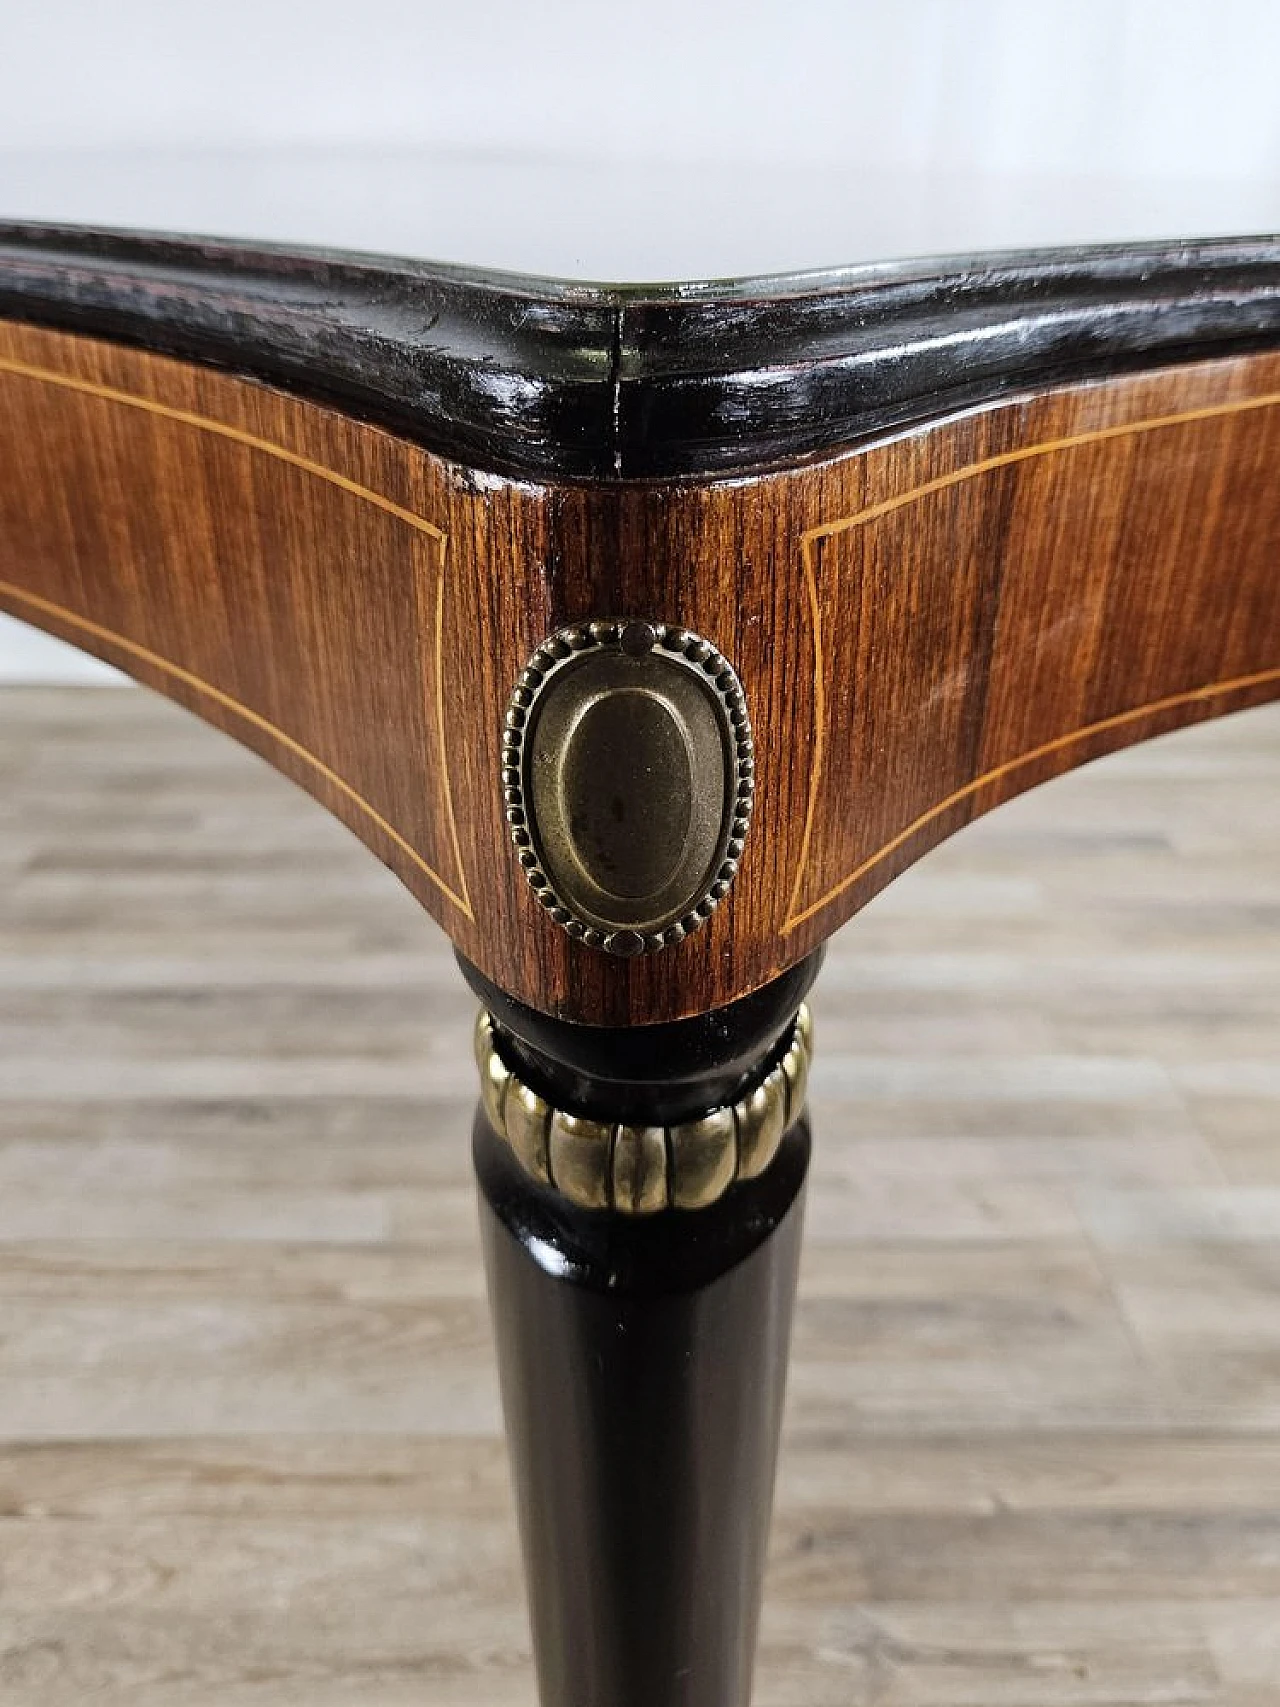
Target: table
[[647, 632]]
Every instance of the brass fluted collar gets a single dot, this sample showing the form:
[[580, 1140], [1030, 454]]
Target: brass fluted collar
[[638, 1170]]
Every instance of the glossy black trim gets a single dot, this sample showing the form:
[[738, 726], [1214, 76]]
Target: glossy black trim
[[643, 1363], [769, 374], [649, 1074], [500, 373], [547, 379]]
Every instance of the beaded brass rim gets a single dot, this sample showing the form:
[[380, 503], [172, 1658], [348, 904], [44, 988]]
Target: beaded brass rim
[[639, 1170], [672, 664]]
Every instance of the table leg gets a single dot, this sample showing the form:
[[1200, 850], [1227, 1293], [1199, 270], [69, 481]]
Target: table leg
[[643, 1355]]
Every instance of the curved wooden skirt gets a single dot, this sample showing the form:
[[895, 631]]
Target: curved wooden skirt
[[924, 626]]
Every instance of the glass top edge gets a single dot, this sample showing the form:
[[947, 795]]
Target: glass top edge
[[807, 282]]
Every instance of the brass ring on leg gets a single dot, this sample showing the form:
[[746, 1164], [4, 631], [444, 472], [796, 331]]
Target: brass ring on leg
[[638, 1170]]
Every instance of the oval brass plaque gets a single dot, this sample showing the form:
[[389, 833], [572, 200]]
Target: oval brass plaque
[[628, 781], [625, 796]]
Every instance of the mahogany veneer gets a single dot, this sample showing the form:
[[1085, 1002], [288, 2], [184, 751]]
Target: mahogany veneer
[[924, 626]]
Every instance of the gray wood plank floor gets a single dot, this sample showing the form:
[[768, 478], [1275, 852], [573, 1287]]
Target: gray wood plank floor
[[249, 1429]]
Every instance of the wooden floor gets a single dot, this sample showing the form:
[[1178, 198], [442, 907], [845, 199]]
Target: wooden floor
[[249, 1432]]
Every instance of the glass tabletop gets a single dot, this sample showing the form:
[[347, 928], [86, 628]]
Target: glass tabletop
[[614, 222]]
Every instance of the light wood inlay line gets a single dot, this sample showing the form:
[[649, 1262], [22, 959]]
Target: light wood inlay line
[[460, 896], [93, 630], [464, 900], [1135, 714], [873, 512], [208, 424], [1046, 447]]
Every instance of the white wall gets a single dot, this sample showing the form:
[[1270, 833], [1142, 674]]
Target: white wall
[[1179, 86], [1172, 90], [27, 655]]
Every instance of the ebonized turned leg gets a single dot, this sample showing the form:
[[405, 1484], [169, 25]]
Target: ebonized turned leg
[[643, 1355]]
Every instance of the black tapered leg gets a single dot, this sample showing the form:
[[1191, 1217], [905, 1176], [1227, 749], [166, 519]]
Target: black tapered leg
[[643, 1363]]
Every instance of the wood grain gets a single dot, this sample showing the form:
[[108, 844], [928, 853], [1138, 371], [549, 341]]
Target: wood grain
[[250, 1443], [924, 627]]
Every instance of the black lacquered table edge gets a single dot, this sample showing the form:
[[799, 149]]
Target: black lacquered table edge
[[547, 378]]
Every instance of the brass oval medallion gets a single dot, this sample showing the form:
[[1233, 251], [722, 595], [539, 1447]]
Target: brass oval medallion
[[622, 789], [628, 781]]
